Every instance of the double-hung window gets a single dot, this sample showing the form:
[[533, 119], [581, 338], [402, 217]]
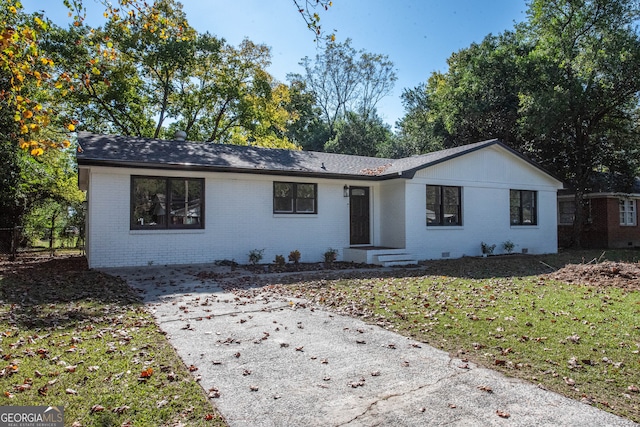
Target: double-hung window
[[163, 202], [627, 212], [523, 207], [444, 205], [295, 198]]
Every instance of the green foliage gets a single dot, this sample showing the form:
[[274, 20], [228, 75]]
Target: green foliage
[[508, 246], [561, 88], [148, 73], [487, 248], [330, 256], [344, 80], [359, 135], [279, 262], [294, 257], [255, 256]]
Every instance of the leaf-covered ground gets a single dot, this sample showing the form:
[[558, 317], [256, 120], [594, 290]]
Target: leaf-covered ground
[[82, 339], [568, 322]]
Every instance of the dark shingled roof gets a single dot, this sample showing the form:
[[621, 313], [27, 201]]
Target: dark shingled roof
[[128, 151]]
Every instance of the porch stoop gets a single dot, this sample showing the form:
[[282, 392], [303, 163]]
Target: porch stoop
[[386, 257]]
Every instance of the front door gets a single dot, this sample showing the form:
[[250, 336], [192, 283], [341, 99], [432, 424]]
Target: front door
[[359, 215]]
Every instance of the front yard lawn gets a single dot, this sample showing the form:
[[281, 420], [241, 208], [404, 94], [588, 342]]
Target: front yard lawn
[[82, 340], [580, 339]]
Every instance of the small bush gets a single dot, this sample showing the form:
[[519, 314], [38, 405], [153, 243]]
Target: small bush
[[279, 262], [330, 256], [294, 257], [508, 246], [487, 248], [255, 256]]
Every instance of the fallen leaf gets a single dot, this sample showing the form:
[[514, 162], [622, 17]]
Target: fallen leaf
[[97, 408], [503, 414], [120, 409], [146, 373], [71, 391], [485, 388]]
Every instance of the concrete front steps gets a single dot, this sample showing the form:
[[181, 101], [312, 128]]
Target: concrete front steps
[[386, 257]]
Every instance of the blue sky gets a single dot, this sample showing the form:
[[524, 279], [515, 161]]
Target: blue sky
[[417, 35]]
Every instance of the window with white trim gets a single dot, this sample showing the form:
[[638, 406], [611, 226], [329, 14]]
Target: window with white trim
[[627, 212]]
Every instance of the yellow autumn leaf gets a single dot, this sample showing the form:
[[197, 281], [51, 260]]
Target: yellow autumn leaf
[[66, 143], [27, 114], [24, 145], [24, 129], [95, 71], [71, 127], [37, 152]]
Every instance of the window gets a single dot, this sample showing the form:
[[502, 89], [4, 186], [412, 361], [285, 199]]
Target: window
[[443, 205], [295, 198], [523, 210], [161, 202], [627, 212], [566, 211]]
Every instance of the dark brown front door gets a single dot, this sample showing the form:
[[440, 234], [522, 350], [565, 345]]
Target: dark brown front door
[[359, 215]]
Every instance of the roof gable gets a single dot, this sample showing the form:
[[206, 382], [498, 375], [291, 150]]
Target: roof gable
[[127, 151]]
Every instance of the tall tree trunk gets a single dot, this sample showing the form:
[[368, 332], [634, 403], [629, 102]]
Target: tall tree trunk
[[578, 220]]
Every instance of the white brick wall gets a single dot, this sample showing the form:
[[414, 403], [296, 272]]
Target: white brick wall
[[239, 215], [238, 218]]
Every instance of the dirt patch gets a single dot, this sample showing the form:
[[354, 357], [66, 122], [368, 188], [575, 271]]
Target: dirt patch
[[608, 273], [43, 261]]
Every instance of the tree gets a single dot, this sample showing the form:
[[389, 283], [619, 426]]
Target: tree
[[562, 87], [312, 18], [580, 114], [29, 125], [359, 135], [309, 131], [341, 81], [147, 66]]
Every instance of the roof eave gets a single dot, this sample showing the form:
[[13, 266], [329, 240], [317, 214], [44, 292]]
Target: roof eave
[[227, 169]]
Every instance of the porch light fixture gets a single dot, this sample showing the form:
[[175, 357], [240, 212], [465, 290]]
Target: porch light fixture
[[345, 191]]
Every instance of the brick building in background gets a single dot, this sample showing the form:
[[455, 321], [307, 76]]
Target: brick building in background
[[611, 215]]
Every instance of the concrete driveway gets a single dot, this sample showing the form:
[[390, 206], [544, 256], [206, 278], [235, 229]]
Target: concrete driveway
[[269, 360]]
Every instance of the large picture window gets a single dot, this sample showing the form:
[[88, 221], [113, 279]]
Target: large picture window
[[162, 202], [295, 198], [523, 207], [443, 205], [627, 212]]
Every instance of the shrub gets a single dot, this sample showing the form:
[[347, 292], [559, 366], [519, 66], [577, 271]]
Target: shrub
[[255, 256], [279, 262], [508, 246], [294, 256], [486, 248], [330, 256]]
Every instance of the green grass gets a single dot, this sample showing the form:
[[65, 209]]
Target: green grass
[[83, 340], [581, 341]]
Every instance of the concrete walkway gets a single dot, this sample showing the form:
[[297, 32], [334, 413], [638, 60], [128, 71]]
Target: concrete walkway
[[269, 360]]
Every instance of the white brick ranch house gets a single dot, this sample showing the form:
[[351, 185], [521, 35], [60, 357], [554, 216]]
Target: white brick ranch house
[[179, 202]]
